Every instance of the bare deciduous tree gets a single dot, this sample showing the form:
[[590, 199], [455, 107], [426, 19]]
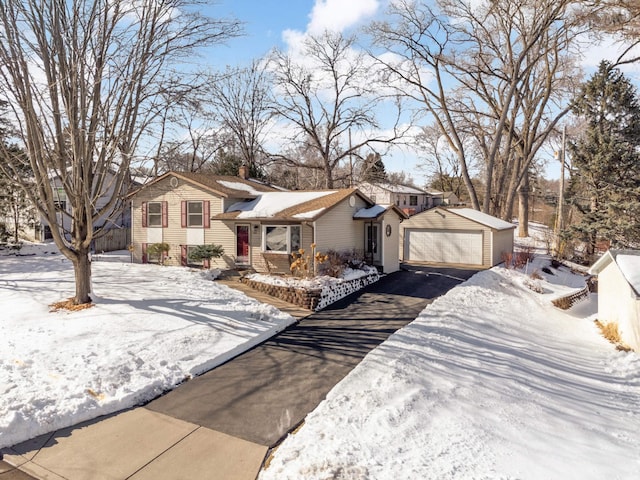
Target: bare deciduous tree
[[440, 161], [473, 66], [326, 95], [620, 18], [240, 97], [84, 79]]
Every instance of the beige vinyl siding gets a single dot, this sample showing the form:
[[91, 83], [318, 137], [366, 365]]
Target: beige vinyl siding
[[336, 229], [174, 234], [502, 243], [390, 260], [223, 233]]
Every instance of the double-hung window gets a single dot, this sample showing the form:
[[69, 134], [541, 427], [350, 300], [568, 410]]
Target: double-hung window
[[154, 214], [282, 238], [413, 200], [194, 214]]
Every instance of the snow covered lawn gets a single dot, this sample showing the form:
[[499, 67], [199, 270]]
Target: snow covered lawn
[[491, 381], [151, 328]]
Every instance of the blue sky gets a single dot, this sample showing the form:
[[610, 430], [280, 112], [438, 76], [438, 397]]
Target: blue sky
[[265, 22], [282, 23], [278, 23]]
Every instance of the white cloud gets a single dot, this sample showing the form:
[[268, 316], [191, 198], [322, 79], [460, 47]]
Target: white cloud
[[609, 49], [331, 15], [338, 15]]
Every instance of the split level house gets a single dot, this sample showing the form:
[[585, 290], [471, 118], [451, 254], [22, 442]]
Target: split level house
[[258, 225], [618, 274]]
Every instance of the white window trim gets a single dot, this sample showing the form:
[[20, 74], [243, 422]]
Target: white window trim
[[189, 202], [288, 227], [159, 215]]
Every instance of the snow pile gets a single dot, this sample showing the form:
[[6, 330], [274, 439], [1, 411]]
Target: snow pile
[[151, 328], [313, 283], [490, 381]]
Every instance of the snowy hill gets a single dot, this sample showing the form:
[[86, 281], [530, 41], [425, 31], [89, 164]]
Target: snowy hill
[[491, 381]]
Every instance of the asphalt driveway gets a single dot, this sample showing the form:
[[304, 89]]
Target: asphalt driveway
[[264, 393]]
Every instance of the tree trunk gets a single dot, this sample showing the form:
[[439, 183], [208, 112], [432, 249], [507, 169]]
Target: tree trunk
[[82, 271], [16, 221], [523, 207], [328, 175]]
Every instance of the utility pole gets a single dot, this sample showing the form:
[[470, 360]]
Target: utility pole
[[559, 227], [350, 162]]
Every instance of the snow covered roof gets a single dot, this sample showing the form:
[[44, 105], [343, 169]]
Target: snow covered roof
[[371, 212], [292, 205], [394, 188], [482, 218], [628, 262], [630, 268], [270, 204]]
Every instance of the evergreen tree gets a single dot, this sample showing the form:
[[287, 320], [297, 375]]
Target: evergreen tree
[[605, 181], [373, 169], [228, 163]]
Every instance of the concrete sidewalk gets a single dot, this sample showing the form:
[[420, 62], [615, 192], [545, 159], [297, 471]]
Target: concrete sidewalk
[[137, 444]]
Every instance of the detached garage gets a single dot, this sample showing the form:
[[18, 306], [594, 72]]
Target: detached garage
[[457, 236]]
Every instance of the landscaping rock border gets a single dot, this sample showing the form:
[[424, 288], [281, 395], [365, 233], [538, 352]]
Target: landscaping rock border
[[313, 298]]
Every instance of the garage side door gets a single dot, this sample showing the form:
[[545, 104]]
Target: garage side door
[[443, 246]]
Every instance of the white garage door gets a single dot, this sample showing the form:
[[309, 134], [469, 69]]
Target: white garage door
[[443, 246]]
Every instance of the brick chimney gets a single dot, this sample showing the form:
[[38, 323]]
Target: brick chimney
[[243, 172]]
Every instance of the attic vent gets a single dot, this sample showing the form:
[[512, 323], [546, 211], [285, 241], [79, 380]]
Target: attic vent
[[352, 201], [173, 182]]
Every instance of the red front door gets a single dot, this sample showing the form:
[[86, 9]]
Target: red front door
[[242, 244]]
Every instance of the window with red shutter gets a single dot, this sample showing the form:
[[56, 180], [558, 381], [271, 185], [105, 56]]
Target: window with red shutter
[[144, 214], [165, 214], [206, 215]]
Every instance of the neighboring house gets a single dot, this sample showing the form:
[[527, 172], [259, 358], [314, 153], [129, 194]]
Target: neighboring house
[[457, 236], [410, 200], [118, 219], [443, 198], [257, 225], [619, 292]]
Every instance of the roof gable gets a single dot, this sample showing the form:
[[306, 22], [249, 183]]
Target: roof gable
[[482, 218], [221, 185], [394, 188]]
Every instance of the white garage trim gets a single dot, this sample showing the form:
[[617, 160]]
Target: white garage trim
[[443, 246]]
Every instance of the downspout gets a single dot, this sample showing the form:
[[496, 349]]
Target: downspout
[[131, 222], [371, 242], [314, 242]]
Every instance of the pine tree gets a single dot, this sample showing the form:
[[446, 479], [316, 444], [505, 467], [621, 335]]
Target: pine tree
[[605, 181], [374, 170]]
